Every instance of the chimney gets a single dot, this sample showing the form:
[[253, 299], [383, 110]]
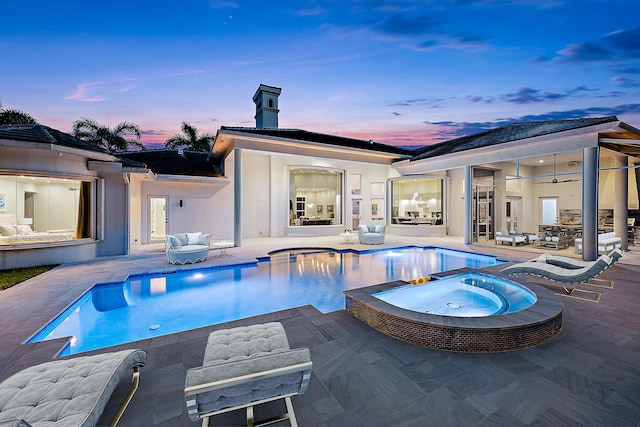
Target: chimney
[[266, 100]]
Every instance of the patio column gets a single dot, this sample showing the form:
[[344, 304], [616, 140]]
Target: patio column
[[237, 196], [621, 197], [590, 165], [468, 206]]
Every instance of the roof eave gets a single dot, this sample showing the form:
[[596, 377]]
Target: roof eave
[[527, 147], [57, 148], [194, 179], [300, 147]]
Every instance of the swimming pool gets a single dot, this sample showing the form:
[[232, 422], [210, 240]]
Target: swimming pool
[[463, 295], [151, 305]]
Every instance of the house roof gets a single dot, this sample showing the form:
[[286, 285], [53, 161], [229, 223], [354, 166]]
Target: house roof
[[322, 138], [508, 133], [174, 162], [44, 134]]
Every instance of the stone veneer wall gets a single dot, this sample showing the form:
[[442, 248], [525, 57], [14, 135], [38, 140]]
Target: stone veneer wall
[[444, 337]]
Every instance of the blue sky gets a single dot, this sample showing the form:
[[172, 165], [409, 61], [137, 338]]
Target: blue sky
[[399, 72]]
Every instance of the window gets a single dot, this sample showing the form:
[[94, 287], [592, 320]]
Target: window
[[355, 184], [37, 210], [316, 196], [549, 208], [301, 206], [417, 201]]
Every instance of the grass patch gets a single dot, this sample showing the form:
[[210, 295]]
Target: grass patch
[[13, 276]]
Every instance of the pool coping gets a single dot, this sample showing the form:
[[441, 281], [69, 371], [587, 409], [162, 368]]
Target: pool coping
[[170, 269], [522, 329]]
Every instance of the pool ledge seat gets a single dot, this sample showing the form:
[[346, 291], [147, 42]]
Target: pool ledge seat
[[244, 367], [187, 248], [68, 392]]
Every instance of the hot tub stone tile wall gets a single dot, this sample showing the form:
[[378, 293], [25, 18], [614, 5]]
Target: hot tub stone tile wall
[[514, 331]]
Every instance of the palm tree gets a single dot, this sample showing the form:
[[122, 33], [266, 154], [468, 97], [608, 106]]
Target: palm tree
[[123, 136], [190, 139], [15, 117]]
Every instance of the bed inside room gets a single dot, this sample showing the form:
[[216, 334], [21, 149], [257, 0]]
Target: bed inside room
[[16, 232]]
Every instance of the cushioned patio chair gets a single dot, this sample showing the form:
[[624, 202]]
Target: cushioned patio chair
[[371, 234], [606, 243], [531, 237], [244, 367], [559, 274], [183, 248], [68, 392], [503, 236]]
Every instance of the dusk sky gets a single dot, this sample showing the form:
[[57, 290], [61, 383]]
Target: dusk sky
[[399, 72]]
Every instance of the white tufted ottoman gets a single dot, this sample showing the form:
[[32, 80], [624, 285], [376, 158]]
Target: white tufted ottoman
[[69, 392], [247, 366]]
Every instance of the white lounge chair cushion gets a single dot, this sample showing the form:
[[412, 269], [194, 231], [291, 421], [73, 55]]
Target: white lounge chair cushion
[[66, 393], [15, 423], [232, 353], [245, 343], [560, 274], [574, 264]]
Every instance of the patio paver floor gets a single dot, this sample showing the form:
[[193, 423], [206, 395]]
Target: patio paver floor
[[587, 375]]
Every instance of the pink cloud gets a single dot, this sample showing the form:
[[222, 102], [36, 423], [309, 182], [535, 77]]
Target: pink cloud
[[82, 94]]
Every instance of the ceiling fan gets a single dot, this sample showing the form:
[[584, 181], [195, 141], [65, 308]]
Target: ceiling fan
[[556, 180]]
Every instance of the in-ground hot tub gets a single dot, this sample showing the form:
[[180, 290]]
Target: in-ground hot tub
[[469, 312], [462, 295]]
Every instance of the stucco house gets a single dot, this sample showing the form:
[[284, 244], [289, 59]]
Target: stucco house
[[562, 178], [63, 200]]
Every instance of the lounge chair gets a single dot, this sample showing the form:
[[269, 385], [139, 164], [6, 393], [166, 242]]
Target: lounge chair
[[68, 392], [244, 367], [531, 237], [513, 239], [574, 264], [560, 274]]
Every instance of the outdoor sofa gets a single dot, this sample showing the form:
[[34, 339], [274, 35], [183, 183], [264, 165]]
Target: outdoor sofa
[[503, 236], [606, 243], [68, 392], [371, 234], [183, 248]]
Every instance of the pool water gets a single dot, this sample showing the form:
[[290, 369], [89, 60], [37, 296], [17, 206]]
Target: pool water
[[462, 295], [151, 305]]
